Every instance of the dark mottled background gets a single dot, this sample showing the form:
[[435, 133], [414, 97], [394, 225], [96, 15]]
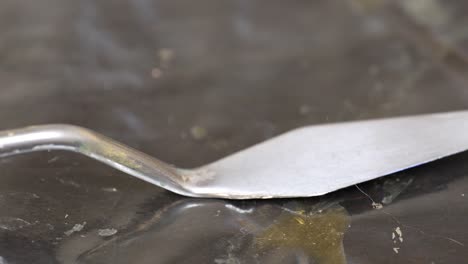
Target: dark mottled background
[[193, 81]]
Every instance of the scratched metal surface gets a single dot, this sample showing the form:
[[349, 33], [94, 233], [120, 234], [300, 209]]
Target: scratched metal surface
[[190, 82]]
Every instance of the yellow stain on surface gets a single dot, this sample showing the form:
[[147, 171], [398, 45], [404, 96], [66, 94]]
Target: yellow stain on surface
[[318, 235]]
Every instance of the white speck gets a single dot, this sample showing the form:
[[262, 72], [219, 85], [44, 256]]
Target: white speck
[[396, 249], [397, 234], [463, 195], [107, 232], [110, 189], [377, 206], [66, 215], [75, 228], [398, 231]]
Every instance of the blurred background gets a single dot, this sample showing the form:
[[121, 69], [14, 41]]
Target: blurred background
[[192, 81]]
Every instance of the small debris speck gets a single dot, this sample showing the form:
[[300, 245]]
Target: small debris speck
[[198, 132], [463, 195], [377, 206], [398, 231], [396, 249], [110, 189], [75, 228], [107, 232], [397, 235], [66, 215]]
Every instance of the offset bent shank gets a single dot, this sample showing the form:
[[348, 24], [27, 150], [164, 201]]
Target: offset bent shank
[[93, 145], [305, 162]]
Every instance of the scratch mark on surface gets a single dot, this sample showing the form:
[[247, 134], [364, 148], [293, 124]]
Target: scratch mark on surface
[[68, 182], [13, 223], [412, 227], [54, 159], [424, 232]]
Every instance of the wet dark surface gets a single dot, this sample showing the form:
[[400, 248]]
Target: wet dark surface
[[193, 81]]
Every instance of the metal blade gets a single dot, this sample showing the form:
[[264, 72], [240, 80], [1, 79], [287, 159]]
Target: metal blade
[[319, 159]]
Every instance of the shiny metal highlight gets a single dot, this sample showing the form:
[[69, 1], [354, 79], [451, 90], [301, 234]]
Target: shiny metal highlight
[[305, 162]]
